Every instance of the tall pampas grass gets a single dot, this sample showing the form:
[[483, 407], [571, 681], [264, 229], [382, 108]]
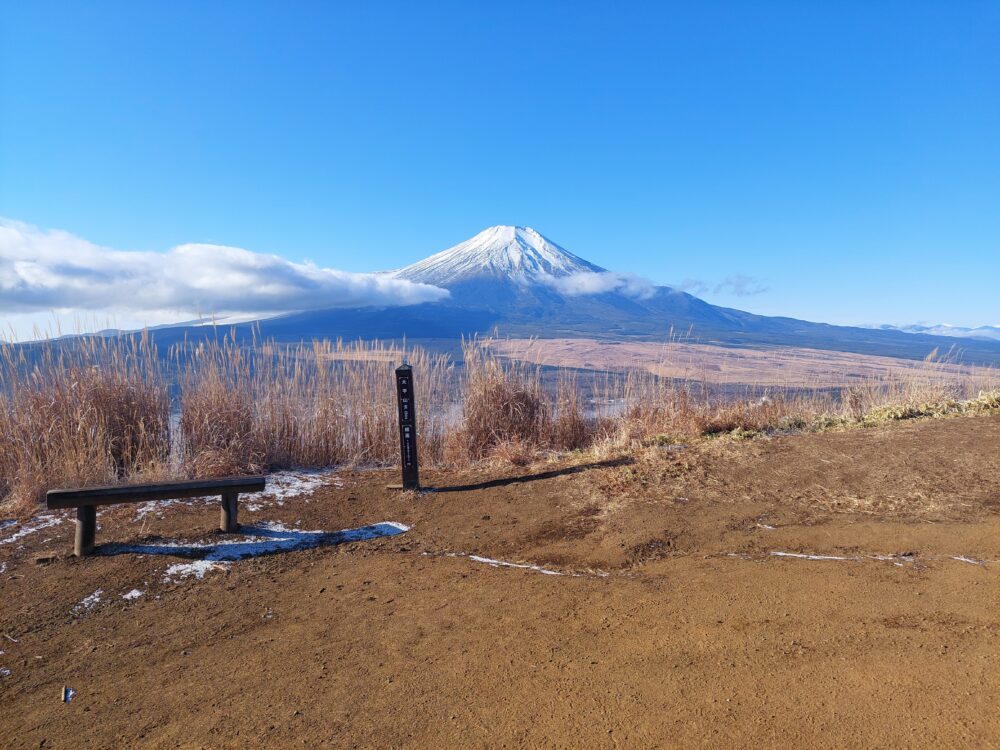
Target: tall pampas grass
[[95, 410]]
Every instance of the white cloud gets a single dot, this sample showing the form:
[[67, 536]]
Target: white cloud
[[51, 270], [587, 282], [737, 285]]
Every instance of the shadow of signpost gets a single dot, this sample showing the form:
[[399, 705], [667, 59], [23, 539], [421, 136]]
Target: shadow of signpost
[[610, 463]]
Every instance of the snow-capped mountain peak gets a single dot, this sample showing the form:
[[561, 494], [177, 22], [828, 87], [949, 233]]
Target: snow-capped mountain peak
[[516, 253]]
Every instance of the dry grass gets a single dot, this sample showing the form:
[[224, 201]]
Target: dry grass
[[505, 405], [93, 413], [268, 407], [99, 410]]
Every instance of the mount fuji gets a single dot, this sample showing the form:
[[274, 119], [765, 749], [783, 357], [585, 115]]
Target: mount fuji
[[501, 253], [516, 269], [514, 281]]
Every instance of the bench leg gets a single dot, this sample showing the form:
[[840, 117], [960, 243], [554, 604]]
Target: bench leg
[[86, 530], [227, 520]]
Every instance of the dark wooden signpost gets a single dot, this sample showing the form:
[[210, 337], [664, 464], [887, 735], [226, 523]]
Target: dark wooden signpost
[[407, 427]]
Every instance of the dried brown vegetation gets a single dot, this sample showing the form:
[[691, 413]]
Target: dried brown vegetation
[[100, 410], [93, 413]]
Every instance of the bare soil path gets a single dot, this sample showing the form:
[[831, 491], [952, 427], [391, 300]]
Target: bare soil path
[[674, 624]]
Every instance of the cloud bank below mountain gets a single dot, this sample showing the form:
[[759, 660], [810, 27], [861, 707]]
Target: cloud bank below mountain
[[603, 282], [52, 270]]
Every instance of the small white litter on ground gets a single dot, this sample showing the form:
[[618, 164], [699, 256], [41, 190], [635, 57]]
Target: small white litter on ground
[[32, 525], [133, 594], [67, 694], [4, 672], [503, 564], [88, 602]]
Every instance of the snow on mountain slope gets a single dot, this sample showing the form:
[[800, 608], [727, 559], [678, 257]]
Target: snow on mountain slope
[[512, 253]]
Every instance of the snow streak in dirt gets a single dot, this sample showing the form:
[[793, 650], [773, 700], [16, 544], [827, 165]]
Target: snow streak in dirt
[[970, 560], [523, 566], [37, 523], [133, 594], [502, 564], [811, 557], [897, 560], [89, 602]]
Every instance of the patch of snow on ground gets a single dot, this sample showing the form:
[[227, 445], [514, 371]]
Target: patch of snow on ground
[[502, 564], [88, 602], [196, 569], [284, 485], [155, 506], [44, 521], [281, 486], [260, 539], [133, 594]]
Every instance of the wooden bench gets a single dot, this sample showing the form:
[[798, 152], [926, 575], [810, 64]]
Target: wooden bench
[[86, 501]]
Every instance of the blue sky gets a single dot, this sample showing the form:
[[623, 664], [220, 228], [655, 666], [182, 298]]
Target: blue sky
[[840, 160]]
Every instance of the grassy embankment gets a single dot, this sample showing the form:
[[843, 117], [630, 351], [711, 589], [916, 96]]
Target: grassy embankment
[[109, 410]]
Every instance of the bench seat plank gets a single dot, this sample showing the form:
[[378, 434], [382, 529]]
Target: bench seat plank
[[140, 493]]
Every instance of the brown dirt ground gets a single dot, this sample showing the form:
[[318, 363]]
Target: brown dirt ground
[[680, 631]]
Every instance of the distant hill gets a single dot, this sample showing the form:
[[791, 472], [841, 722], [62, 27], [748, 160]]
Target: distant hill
[[991, 333]]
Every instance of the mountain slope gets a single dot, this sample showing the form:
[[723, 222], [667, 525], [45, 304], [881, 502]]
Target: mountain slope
[[515, 281]]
